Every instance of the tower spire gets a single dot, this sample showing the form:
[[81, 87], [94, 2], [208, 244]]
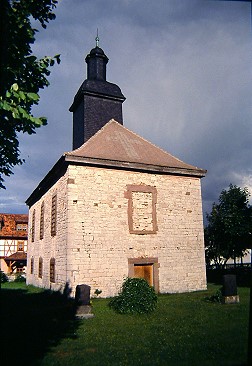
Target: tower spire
[[97, 101], [97, 39]]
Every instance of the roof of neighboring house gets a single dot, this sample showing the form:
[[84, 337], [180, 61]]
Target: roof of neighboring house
[[116, 147], [8, 226], [18, 256]]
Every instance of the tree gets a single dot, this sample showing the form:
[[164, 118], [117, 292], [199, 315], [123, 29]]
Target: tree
[[229, 230], [22, 75]]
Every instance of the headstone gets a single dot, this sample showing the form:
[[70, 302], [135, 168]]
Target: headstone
[[82, 295], [229, 290], [82, 300]]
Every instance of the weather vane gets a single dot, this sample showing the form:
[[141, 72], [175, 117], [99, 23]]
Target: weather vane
[[97, 39]]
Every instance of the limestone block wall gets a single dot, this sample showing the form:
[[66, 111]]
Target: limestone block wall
[[49, 246], [101, 207]]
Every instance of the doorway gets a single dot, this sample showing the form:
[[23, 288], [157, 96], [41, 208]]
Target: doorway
[[147, 268], [144, 271]]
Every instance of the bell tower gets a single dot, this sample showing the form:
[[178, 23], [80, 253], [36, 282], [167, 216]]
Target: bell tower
[[97, 100]]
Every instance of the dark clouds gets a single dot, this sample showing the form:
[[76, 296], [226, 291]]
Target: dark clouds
[[185, 69]]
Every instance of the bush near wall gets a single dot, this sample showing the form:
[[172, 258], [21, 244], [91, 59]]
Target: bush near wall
[[136, 296]]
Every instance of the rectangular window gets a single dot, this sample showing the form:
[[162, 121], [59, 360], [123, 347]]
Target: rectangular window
[[20, 246], [32, 265], [42, 215], [142, 209], [21, 227], [40, 271], [52, 270], [33, 226], [54, 215]]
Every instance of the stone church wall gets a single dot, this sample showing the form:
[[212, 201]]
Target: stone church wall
[[49, 247], [110, 220]]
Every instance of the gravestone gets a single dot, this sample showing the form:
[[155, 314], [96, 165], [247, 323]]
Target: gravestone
[[82, 300], [82, 295], [229, 290]]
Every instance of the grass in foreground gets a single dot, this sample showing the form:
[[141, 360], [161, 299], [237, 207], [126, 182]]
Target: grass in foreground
[[184, 330]]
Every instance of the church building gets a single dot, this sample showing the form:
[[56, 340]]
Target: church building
[[115, 206]]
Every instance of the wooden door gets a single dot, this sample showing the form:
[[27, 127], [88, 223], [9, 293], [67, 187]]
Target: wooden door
[[144, 271]]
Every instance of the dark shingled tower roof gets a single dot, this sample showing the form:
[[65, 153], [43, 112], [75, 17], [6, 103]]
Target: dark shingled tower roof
[[97, 101]]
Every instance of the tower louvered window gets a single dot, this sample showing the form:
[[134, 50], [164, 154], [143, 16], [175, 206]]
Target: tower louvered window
[[54, 215], [42, 219]]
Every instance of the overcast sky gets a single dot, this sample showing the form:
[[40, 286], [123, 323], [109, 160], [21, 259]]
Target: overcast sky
[[184, 67]]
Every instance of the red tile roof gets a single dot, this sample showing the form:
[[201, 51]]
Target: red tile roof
[[18, 256], [8, 225]]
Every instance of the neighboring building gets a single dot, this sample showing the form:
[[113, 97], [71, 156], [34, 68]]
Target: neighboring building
[[245, 260], [13, 242], [115, 206]]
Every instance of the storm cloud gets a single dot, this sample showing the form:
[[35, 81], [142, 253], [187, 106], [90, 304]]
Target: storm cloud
[[185, 69]]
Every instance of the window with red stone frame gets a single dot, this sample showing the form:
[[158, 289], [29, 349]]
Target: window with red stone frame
[[142, 217]]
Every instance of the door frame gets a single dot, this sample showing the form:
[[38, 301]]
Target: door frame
[[146, 261]]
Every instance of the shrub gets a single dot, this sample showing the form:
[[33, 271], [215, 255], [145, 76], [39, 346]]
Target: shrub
[[217, 297], [20, 278], [136, 296], [3, 277]]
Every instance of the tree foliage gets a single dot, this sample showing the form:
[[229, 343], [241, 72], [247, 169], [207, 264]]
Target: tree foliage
[[22, 75], [229, 230]]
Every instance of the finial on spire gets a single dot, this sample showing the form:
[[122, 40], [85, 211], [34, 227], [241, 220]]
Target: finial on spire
[[97, 39]]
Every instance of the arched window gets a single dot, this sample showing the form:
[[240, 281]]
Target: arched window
[[33, 226], [42, 216], [40, 271], [54, 215], [32, 265], [52, 270]]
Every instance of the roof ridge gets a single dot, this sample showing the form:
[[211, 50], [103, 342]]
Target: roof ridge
[[92, 137], [157, 147]]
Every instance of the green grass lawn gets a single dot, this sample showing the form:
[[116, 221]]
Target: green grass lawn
[[39, 328]]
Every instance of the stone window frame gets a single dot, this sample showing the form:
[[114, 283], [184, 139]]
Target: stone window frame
[[40, 268], [33, 226], [42, 220], [52, 270], [144, 189], [146, 261], [54, 215]]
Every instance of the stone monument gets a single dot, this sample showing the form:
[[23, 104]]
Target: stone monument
[[82, 301]]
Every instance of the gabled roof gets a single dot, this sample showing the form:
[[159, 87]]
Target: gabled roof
[[116, 144], [116, 147], [18, 256]]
